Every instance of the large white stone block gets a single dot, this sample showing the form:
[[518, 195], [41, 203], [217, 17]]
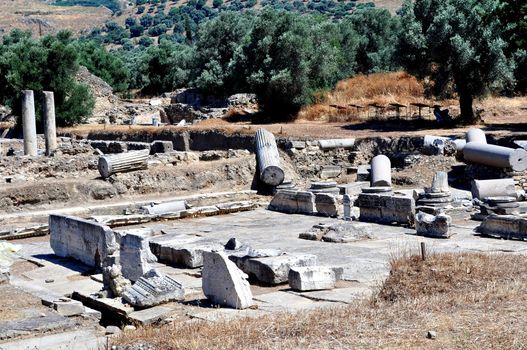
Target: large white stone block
[[224, 283]]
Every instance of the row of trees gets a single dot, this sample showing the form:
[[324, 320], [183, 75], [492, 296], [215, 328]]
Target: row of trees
[[48, 64], [283, 57], [467, 48]]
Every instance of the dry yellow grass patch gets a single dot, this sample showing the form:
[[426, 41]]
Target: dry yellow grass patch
[[472, 301], [26, 15], [381, 89]]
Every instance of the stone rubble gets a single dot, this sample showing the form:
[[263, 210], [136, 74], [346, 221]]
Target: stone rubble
[[154, 288], [339, 233], [437, 226]]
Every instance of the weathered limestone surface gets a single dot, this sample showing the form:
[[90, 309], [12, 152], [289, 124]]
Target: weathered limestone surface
[[81, 239], [297, 144], [50, 130], [493, 188], [386, 208], [113, 279], [330, 171], [326, 204], [273, 270], [271, 171], [29, 124], [159, 146], [153, 289], [68, 307], [504, 226], [293, 202], [476, 135], [336, 143], [433, 226], [381, 171], [128, 161], [182, 250], [223, 283], [348, 232], [440, 182], [135, 256], [496, 156], [339, 233], [168, 207], [312, 278]]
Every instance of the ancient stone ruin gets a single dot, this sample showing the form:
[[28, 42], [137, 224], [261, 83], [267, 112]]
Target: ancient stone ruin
[[194, 225]]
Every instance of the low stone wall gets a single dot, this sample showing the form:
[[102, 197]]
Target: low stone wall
[[83, 240], [386, 209]]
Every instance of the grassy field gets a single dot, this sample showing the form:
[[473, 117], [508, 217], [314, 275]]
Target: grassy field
[[470, 301], [41, 17]]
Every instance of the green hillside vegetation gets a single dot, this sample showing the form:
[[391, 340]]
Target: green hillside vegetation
[[113, 5], [465, 49]]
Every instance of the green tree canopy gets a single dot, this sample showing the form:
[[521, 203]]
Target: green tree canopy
[[456, 41], [48, 64]]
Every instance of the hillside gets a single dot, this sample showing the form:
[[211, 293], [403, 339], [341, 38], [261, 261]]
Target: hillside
[[42, 18]]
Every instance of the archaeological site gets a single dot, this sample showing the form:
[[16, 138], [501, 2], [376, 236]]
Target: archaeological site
[[263, 174], [109, 230]]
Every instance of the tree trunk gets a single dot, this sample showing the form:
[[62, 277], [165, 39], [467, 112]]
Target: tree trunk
[[465, 106]]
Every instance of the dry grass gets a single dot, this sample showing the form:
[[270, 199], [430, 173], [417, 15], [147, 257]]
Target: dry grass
[[472, 301], [381, 89], [26, 14]]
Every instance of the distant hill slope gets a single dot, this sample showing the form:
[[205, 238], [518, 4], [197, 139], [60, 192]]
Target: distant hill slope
[[41, 17]]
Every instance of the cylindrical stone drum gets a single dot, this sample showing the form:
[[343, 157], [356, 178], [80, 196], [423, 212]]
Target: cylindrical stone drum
[[381, 171], [271, 172], [476, 135], [496, 156], [336, 143], [493, 188], [116, 163]]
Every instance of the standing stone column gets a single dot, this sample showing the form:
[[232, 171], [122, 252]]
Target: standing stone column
[[50, 131], [440, 182], [271, 171], [116, 163], [381, 171], [29, 124]]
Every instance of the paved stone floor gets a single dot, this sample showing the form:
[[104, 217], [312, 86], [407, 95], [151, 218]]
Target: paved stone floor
[[365, 263]]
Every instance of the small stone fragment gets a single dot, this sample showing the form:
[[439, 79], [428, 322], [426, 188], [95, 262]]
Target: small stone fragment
[[68, 308], [312, 278], [433, 226], [326, 204], [112, 330], [431, 335]]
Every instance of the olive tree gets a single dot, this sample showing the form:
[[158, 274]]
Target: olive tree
[[459, 42]]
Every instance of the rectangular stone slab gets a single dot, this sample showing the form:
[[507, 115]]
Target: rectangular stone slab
[[83, 240], [182, 250], [274, 269]]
